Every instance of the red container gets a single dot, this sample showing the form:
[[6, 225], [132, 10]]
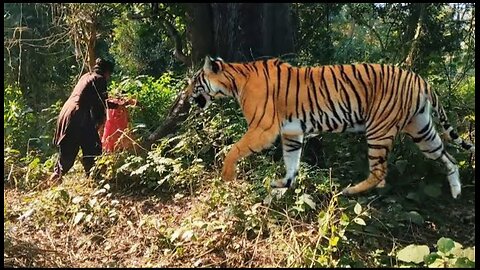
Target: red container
[[115, 126]]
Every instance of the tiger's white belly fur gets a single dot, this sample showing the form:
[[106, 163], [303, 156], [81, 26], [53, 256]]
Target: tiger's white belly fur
[[294, 127]]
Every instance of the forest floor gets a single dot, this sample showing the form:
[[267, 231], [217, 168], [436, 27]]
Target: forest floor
[[83, 223]]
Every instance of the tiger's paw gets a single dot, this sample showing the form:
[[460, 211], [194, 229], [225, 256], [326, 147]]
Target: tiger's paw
[[454, 181], [381, 184], [456, 191], [349, 191], [281, 183], [228, 173]]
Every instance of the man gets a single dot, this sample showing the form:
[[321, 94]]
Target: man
[[80, 118]]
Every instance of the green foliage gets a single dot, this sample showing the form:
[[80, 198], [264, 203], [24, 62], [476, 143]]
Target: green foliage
[[176, 160], [18, 118], [26, 172], [155, 97], [316, 39], [449, 254], [141, 46], [25, 129], [35, 57], [309, 225]]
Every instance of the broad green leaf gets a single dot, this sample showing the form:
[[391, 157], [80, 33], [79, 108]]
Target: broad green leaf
[[444, 245], [357, 209], [401, 165], [438, 263], [432, 190], [413, 196], [464, 263], [334, 241], [78, 218], [413, 253], [308, 200], [415, 217], [469, 253], [359, 221], [77, 199], [431, 258], [344, 219]]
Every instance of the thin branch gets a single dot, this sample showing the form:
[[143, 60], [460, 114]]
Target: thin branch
[[467, 67], [169, 27], [409, 60], [361, 21], [9, 43], [139, 16], [20, 45], [178, 51], [173, 33]]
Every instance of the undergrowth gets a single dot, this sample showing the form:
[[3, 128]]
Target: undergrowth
[[169, 207]]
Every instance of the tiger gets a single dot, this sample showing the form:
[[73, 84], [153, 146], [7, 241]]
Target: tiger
[[278, 99]]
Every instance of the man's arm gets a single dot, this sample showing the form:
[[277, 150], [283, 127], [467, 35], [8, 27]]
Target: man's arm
[[99, 109]]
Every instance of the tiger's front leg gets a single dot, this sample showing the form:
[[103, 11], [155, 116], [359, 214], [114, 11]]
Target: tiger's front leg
[[254, 140], [292, 150]]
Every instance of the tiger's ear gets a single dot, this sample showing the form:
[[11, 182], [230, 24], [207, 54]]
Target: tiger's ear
[[211, 65]]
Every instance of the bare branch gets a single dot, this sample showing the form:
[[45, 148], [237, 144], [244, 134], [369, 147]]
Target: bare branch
[[361, 21], [178, 51], [409, 60], [178, 113], [162, 16]]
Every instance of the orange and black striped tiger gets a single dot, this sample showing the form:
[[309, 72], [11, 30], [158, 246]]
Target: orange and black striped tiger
[[279, 99]]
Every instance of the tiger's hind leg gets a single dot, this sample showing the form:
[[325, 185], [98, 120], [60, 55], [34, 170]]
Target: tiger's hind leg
[[425, 136], [379, 145], [292, 150]]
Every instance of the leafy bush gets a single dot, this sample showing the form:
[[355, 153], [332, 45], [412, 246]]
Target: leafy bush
[[141, 47], [155, 97], [27, 140], [18, 119], [449, 254]]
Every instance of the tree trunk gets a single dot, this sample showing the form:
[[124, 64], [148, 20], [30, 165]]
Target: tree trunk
[[280, 29], [236, 32], [200, 31], [246, 31], [413, 51], [177, 114]]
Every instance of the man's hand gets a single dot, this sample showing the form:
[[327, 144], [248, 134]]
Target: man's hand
[[132, 102], [100, 129]]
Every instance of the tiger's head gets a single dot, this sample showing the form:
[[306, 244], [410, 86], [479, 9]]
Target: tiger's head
[[210, 82]]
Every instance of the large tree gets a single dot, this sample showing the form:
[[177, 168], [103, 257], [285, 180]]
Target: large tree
[[232, 31]]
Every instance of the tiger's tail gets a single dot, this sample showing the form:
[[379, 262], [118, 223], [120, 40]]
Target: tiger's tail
[[448, 130]]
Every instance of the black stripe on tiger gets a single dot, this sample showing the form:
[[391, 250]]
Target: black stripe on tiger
[[266, 97], [381, 99], [297, 91], [354, 90], [287, 86]]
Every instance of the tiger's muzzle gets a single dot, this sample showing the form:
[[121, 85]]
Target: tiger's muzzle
[[202, 100]]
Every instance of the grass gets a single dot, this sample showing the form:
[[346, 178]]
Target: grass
[[89, 223]]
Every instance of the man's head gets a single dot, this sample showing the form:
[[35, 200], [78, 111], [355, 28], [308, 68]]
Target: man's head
[[103, 67]]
